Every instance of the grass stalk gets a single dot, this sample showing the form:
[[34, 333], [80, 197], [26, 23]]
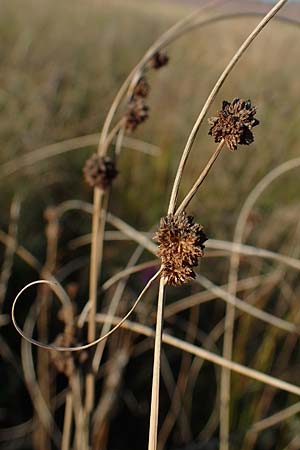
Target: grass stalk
[[153, 425], [211, 97], [93, 287], [207, 355], [200, 179], [66, 436]]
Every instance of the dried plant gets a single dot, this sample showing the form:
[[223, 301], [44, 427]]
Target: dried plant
[[181, 244], [99, 171], [234, 123]]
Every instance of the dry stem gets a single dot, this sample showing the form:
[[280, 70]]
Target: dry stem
[[153, 425], [211, 97], [184, 204]]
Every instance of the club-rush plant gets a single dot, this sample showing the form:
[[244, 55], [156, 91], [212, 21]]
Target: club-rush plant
[[181, 243]]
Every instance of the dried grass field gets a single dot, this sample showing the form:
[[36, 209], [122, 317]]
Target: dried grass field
[[190, 340]]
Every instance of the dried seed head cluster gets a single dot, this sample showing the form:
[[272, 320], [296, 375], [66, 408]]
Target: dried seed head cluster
[[181, 244], [158, 60], [137, 110], [136, 114], [234, 123], [142, 88], [99, 171], [66, 362]]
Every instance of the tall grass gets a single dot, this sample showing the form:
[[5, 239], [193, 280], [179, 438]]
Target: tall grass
[[262, 284]]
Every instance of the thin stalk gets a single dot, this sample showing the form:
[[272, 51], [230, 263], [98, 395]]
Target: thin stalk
[[96, 259], [153, 426], [207, 355], [65, 443], [200, 179], [93, 286], [171, 34], [211, 97]]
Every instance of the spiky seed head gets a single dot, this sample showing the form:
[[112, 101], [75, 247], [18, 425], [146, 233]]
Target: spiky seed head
[[99, 171], [234, 123], [181, 244]]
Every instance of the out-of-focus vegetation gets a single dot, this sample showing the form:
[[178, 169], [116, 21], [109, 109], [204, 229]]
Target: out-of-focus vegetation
[[61, 64]]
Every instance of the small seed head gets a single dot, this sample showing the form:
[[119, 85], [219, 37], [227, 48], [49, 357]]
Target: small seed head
[[99, 171], [181, 244], [136, 114], [234, 123], [142, 88], [158, 60]]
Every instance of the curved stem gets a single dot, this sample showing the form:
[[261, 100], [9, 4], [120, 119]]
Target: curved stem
[[211, 97]]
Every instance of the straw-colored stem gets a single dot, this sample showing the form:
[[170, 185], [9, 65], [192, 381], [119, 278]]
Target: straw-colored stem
[[66, 436], [211, 97], [232, 288], [98, 225], [163, 40], [200, 179], [207, 355], [153, 425]]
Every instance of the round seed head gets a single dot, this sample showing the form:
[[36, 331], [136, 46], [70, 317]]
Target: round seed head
[[99, 171], [142, 88], [136, 114], [181, 244], [158, 60], [234, 123]]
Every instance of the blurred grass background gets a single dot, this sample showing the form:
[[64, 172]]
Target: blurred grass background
[[62, 62]]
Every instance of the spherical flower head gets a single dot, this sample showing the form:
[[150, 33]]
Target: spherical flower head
[[136, 114], [158, 60], [99, 171], [234, 123], [181, 244]]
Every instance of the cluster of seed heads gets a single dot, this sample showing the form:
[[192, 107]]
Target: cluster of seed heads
[[181, 244], [137, 110], [234, 123]]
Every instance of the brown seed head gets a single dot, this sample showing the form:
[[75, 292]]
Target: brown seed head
[[234, 123], [99, 171], [158, 60], [142, 88], [136, 114], [181, 244]]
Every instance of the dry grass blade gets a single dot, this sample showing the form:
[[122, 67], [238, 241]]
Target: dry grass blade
[[275, 419], [38, 401], [10, 249], [207, 355], [233, 279], [66, 437], [212, 96], [55, 287], [59, 148], [249, 309]]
